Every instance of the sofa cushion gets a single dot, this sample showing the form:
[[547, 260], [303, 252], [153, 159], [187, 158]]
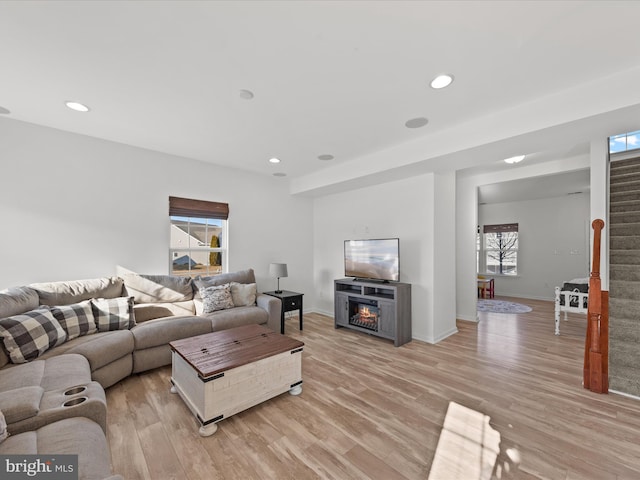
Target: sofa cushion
[[76, 319], [243, 276], [3, 428], [64, 371], [149, 311], [73, 436], [158, 288], [100, 349], [29, 335], [236, 317], [161, 331], [113, 313], [65, 293], [216, 298], [243, 294], [14, 301], [24, 375], [21, 403]]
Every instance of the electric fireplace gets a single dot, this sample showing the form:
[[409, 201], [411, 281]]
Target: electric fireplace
[[364, 313]]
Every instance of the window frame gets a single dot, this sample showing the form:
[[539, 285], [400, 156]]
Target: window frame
[[187, 210], [483, 251]]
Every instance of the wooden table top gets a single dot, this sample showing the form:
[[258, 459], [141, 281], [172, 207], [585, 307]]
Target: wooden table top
[[216, 352]]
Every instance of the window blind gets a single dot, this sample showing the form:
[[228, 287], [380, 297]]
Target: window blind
[[186, 207], [501, 228]]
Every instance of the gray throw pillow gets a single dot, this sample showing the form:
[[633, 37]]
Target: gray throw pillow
[[243, 294], [216, 298]]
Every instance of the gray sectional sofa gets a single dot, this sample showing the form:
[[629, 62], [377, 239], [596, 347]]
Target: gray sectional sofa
[[52, 397]]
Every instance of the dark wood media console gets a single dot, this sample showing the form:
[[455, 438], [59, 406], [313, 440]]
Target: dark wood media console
[[377, 308]]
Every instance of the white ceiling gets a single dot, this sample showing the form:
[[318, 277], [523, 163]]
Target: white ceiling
[[329, 77]]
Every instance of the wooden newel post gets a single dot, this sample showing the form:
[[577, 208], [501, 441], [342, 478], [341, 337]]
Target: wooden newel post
[[595, 365]]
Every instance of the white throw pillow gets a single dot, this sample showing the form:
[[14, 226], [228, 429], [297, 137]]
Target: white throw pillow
[[243, 294], [3, 428]]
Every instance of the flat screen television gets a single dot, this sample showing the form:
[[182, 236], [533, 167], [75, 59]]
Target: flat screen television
[[373, 259]]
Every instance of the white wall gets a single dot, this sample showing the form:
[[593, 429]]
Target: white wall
[[403, 209], [553, 238], [75, 207]]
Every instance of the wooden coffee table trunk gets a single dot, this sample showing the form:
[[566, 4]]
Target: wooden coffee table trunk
[[222, 373]]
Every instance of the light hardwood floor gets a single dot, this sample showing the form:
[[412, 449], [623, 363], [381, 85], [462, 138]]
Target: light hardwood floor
[[369, 410]]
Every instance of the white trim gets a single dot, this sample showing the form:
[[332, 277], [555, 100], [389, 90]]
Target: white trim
[[437, 339], [628, 395], [468, 319]]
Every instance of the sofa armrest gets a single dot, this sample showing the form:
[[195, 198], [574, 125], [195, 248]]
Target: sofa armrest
[[21, 403], [273, 306]]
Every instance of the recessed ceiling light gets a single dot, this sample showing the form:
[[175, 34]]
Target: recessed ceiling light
[[416, 122], [246, 94], [516, 159], [4, 111], [441, 81], [279, 174], [325, 156], [274, 160], [78, 107]]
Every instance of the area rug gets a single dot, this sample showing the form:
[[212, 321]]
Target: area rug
[[500, 306]]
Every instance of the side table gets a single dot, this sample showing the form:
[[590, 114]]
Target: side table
[[290, 301]]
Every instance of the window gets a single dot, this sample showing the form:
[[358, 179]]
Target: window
[[500, 248], [198, 244], [624, 142]]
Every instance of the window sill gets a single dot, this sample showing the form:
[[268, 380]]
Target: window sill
[[500, 275]]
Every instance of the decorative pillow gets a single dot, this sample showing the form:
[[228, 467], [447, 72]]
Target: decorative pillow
[[29, 335], [113, 313], [216, 298], [3, 428], [243, 294], [77, 319]]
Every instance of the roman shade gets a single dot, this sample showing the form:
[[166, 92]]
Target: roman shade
[[186, 207], [501, 228]]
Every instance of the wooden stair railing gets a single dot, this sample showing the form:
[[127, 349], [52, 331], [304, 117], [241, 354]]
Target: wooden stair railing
[[596, 347]]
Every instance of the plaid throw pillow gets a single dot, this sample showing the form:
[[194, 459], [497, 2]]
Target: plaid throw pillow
[[113, 313], [29, 335], [216, 298], [76, 319]]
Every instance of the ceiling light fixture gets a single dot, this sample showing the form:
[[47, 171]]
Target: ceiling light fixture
[[246, 94], [274, 160], [442, 81], [416, 122], [325, 156], [279, 174], [516, 159], [78, 107]]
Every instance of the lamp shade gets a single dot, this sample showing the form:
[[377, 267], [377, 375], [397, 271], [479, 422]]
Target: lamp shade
[[278, 270]]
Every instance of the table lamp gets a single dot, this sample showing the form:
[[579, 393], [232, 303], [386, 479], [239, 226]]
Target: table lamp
[[278, 270]]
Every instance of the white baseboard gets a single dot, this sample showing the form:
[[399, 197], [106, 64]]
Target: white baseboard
[[628, 395], [467, 318]]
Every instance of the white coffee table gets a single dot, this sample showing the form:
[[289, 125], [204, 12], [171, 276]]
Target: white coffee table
[[222, 373]]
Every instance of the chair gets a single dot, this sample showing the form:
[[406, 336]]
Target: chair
[[485, 286]]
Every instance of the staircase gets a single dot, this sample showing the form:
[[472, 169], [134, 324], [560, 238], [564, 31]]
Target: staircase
[[624, 276]]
